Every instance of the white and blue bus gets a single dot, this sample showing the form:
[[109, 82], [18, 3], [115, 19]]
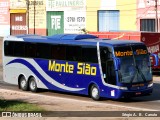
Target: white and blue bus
[[78, 63]]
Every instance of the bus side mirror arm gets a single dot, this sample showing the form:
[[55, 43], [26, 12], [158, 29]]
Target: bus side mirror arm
[[116, 63], [156, 59]]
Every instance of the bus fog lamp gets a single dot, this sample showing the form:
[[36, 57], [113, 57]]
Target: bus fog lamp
[[123, 88], [150, 85]]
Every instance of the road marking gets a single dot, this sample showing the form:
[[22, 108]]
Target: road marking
[[76, 100]]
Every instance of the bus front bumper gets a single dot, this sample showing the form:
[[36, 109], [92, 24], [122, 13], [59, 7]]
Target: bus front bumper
[[128, 94]]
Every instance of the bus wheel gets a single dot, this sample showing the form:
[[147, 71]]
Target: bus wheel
[[23, 83], [33, 84], [94, 92]]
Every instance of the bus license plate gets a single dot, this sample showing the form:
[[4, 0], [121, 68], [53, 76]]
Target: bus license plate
[[138, 93]]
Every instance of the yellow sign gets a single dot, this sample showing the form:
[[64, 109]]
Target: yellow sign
[[121, 54], [18, 11], [87, 69], [58, 67], [141, 52], [82, 68], [130, 53]]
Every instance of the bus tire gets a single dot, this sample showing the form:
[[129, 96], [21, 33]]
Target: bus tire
[[23, 83], [94, 92], [33, 85]]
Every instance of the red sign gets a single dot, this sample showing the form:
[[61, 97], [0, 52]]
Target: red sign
[[4, 12]]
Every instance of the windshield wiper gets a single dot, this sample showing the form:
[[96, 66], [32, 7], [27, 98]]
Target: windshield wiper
[[120, 75], [142, 75], [133, 77], [138, 72]]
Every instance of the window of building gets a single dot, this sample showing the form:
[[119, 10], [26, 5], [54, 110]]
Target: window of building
[[108, 20], [147, 25]]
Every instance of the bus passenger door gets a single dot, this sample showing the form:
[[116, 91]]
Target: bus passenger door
[[111, 73], [107, 65]]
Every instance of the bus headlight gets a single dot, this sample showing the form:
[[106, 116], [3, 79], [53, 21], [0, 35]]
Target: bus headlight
[[123, 88], [150, 84]]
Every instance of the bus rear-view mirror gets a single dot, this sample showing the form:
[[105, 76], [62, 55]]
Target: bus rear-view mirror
[[155, 59]]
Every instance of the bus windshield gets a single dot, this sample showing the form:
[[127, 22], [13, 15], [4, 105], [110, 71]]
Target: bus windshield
[[135, 64]]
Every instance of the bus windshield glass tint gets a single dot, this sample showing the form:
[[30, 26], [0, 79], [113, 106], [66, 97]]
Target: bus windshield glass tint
[[135, 64]]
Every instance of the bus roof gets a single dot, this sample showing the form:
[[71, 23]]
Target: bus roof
[[77, 39]]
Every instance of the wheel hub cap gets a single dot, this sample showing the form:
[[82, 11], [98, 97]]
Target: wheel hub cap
[[95, 92]]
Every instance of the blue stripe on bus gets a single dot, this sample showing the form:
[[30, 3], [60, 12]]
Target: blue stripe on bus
[[27, 64], [32, 68]]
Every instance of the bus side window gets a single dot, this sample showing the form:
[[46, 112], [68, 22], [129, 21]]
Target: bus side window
[[58, 52], [9, 48], [73, 53], [105, 54], [19, 49], [89, 54], [30, 50], [43, 51]]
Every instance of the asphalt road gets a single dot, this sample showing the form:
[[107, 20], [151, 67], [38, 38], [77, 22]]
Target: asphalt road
[[151, 102]]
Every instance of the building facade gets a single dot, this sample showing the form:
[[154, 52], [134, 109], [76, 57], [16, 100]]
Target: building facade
[[107, 15], [4, 17], [37, 17], [148, 15], [49, 17], [65, 16], [18, 17]]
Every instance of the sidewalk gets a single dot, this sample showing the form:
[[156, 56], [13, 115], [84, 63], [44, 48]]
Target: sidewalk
[[54, 103]]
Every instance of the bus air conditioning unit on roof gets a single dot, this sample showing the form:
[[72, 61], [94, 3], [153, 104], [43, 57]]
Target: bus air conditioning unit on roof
[[72, 36]]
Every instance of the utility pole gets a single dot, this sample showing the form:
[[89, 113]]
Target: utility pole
[[27, 1], [156, 21], [34, 17]]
